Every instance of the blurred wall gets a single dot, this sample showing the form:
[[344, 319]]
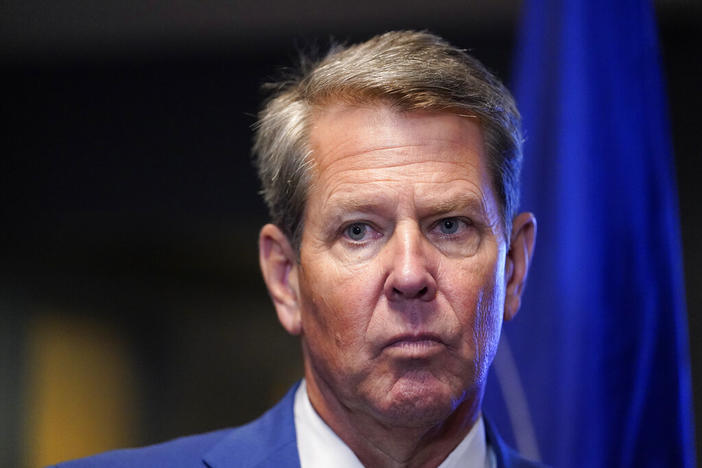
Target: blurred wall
[[131, 306]]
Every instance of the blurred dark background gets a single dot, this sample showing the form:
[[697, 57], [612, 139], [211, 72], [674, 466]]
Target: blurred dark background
[[131, 306]]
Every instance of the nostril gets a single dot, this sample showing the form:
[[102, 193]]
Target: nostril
[[408, 294]]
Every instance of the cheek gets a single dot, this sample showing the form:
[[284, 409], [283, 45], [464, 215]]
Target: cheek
[[336, 306], [488, 320], [477, 298]]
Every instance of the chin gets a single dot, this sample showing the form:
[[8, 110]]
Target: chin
[[419, 401]]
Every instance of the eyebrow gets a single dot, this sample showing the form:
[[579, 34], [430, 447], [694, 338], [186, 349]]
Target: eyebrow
[[464, 200], [367, 203], [358, 204]]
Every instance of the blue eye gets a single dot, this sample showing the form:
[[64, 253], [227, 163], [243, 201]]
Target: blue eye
[[449, 225], [356, 231]]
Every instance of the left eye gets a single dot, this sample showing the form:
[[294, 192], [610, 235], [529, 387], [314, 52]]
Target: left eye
[[449, 225]]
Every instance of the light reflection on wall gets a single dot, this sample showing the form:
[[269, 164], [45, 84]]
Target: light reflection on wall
[[81, 392]]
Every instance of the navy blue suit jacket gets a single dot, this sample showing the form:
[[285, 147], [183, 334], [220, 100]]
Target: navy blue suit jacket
[[269, 441]]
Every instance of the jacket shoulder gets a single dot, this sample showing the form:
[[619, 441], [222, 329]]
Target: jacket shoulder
[[181, 452], [268, 441]]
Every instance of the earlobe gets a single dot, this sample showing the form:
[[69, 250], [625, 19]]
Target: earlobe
[[279, 267], [518, 260]]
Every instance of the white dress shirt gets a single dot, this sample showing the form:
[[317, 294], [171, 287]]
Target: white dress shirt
[[320, 447]]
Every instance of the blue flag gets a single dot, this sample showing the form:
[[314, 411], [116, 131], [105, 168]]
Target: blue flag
[[594, 371]]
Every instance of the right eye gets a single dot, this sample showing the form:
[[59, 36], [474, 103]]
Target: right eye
[[356, 231]]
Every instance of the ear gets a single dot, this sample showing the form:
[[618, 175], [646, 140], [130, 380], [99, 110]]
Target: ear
[[518, 261], [279, 267]]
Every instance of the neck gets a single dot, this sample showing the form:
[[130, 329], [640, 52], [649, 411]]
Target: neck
[[377, 443]]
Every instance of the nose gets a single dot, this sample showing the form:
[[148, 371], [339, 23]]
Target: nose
[[410, 275]]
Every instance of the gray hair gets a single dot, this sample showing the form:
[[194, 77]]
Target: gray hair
[[411, 71]]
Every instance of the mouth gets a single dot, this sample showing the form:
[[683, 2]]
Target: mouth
[[415, 346]]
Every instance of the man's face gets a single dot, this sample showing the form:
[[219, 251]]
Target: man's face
[[401, 278]]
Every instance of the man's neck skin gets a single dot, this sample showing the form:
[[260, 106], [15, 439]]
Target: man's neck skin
[[380, 445]]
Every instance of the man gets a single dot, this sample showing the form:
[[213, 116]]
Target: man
[[390, 169]]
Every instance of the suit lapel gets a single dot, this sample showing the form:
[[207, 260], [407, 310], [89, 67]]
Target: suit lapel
[[505, 456], [269, 441]]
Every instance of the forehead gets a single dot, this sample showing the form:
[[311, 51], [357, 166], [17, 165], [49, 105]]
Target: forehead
[[345, 138]]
